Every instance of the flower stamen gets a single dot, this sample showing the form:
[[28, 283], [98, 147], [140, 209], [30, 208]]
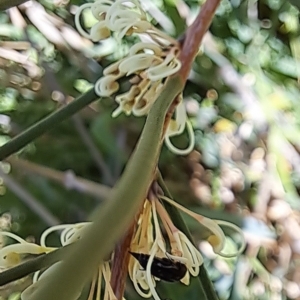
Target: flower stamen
[[218, 238]]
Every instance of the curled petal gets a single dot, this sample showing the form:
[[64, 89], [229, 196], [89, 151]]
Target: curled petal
[[13, 236], [117, 19], [113, 69], [77, 20], [121, 7], [143, 86], [133, 92], [181, 259], [99, 31], [124, 106], [68, 235], [178, 126], [156, 50], [73, 233], [135, 4], [10, 259], [239, 231], [100, 7], [126, 101], [136, 63], [217, 240], [52, 229], [10, 255], [144, 102], [186, 279], [117, 112], [139, 282], [166, 68], [161, 38], [191, 144], [218, 237], [106, 86], [141, 108], [131, 27], [126, 17], [150, 280], [194, 258]]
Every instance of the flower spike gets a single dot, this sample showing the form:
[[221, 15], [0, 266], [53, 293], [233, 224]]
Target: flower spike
[[150, 63]]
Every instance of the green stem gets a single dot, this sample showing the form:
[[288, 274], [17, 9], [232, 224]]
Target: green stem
[[46, 124], [113, 217], [32, 265]]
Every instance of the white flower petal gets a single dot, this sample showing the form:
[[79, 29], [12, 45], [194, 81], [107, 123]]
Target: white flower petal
[[145, 47], [191, 146], [121, 6], [163, 70], [10, 255], [77, 20], [106, 86], [236, 229], [136, 63], [218, 237], [139, 282], [13, 236], [145, 100], [113, 69], [150, 280], [136, 27], [99, 32], [100, 7], [186, 279], [180, 121]]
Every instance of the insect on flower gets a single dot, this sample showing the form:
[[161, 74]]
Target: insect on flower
[[163, 268]]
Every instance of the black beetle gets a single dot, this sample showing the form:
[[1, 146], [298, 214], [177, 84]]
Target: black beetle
[[163, 268]]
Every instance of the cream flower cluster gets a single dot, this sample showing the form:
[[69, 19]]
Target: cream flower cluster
[[147, 65], [148, 239], [11, 256]]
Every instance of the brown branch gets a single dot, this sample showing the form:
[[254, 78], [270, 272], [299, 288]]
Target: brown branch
[[191, 42], [120, 263], [194, 35], [121, 257]]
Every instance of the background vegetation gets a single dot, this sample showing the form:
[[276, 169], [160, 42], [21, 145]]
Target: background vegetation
[[242, 97]]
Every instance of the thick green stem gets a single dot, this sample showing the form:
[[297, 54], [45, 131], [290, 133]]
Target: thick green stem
[[32, 265], [46, 124], [113, 217]]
